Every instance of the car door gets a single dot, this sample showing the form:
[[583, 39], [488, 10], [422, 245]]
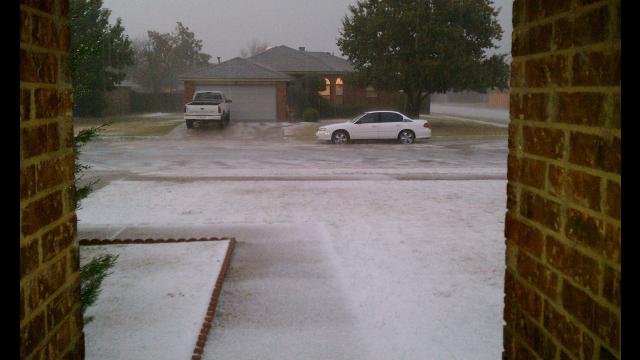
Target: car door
[[366, 127], [390, 125]]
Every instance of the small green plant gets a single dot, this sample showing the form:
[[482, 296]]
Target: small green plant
[[310, 114], [97, 269], [91, 276], [83, 137]]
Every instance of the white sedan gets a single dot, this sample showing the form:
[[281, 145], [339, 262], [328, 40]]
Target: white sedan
[[376, 125]]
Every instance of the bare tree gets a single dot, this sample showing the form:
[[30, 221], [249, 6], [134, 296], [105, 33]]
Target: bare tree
[[161, 58], [254, 47]]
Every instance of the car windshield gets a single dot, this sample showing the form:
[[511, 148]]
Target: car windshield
[[208, 96], [355, 119]]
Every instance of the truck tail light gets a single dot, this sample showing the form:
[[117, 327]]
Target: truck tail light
[[185, 108], [426, 124], [219, 109]]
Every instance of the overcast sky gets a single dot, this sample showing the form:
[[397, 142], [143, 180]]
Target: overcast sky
[[227, 26]]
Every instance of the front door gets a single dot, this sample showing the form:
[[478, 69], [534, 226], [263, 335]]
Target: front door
[[390, 125], [366, 127]]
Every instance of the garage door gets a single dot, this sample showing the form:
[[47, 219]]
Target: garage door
[[250, 102]]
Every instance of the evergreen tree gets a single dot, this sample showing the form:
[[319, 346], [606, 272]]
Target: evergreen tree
[[99, 54]]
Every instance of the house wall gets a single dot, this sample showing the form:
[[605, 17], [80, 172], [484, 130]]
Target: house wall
[[50, 311], [189, 90], [498, 99], [282, 109], [358, 96], [562, 227]]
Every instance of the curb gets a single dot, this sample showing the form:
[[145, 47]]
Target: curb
[[211, 309], [85, 242]]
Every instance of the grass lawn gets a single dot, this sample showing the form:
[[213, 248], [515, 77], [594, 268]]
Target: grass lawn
[[449, 129], [131, 124]]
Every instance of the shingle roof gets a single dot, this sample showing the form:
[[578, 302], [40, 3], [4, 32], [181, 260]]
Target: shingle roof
[[337, 63], [272, 64], [237, 69], [285, 59]]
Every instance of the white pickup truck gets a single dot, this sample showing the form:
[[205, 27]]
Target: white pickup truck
[[206, 107]]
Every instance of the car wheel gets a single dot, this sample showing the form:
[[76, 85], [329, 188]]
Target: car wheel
[[340, 137], [189, 124], [406, 137]]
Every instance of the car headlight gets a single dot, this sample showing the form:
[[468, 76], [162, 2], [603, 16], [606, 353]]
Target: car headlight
[[322, 129]]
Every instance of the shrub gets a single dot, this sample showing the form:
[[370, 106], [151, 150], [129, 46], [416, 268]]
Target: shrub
[[310, 114], [95, 271], [303, 92], [91, 276], [79, 190]]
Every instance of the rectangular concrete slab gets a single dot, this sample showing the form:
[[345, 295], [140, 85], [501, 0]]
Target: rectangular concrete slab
[[153, 304]]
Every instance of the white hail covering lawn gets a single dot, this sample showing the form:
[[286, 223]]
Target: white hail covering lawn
[[420, 263], [153, 304]]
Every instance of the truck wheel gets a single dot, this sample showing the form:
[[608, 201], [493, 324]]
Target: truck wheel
[[189, 124]]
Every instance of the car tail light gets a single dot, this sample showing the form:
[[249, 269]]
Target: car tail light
[[426, 124]]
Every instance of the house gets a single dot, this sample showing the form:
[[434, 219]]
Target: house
[[258, 85]]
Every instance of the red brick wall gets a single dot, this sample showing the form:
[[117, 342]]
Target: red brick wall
[[358, 96], [189, 90], [281, 102], [562, 282], [50, 313]]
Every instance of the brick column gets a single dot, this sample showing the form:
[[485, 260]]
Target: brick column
[[281, 101], [562, 227], [189, 90], [50, 312]]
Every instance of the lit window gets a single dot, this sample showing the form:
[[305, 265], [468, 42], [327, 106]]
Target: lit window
[[339, 87], [327, 88]]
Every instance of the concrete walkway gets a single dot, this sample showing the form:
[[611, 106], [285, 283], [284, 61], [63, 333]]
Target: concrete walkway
[[281, 298]]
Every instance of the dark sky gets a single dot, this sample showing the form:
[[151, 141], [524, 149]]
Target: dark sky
[[227, 26]]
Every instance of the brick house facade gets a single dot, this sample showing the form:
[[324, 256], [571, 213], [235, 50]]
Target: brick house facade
[[50, 312], [562, 283]]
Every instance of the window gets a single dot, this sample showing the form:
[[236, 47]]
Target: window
[[339, 87], [339, 91], [208, 96], [327, 89], [390, 117], [368, 119]]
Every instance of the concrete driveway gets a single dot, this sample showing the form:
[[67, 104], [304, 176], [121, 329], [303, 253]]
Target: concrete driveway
[[373, 250]]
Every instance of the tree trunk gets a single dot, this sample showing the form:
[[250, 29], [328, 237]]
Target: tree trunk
[[427, 104], [413, 106]]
